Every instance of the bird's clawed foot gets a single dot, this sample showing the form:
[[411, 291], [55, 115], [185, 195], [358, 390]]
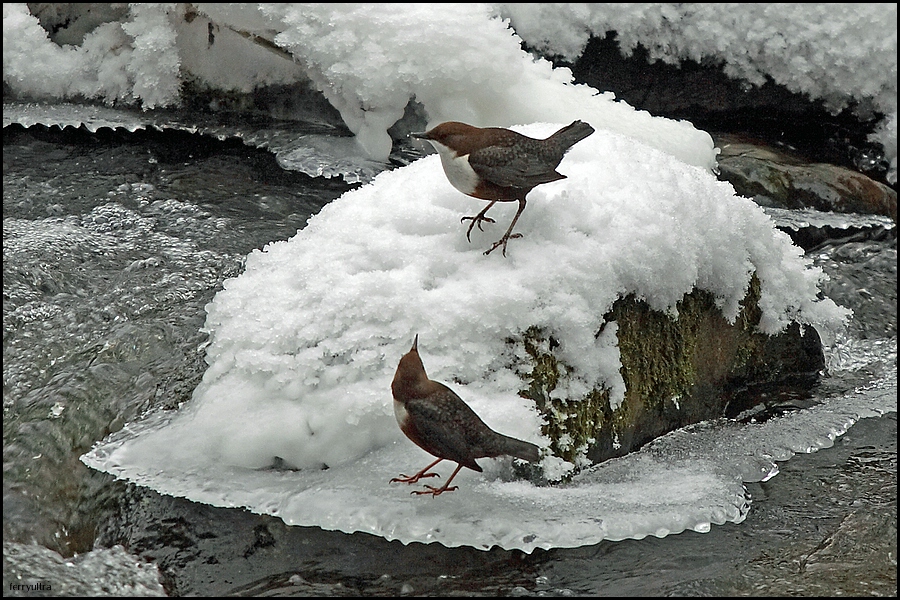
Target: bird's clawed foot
[[477, 220], [421, 474], [502, 242], [407, 479], [435, 491]]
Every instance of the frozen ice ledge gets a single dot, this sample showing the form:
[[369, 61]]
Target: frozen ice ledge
[[315, 149]]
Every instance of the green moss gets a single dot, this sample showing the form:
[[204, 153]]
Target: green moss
[[571, 424], [674, 370]]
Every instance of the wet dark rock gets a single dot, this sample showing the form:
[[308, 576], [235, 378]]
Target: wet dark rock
[[782, 179]]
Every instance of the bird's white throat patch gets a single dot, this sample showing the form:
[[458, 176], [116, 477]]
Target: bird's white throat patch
[[400, 413], [457, 168]]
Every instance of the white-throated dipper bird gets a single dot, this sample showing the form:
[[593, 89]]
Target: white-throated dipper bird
[[500, 165], [439, 422]]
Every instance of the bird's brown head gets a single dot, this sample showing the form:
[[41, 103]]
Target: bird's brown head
[[410, 380], [457, 136]]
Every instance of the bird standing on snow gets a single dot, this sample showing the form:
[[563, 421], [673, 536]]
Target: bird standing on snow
[[439, 422], [500, 165]]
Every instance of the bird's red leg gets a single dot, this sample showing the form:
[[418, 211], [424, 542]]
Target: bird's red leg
[[477, 219], [421, 474], [444, 488], [506, 236]]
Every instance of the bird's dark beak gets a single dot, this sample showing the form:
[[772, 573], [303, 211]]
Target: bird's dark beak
[[415, 345], [419, 135]]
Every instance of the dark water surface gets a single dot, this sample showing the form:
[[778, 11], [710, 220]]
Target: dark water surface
[[113, 243]]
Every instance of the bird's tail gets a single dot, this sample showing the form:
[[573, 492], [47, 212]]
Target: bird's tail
[[519, 449], [570, 135]]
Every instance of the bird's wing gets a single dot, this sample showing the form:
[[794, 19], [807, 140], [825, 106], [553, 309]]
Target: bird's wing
[[508, 166], [440, 430]]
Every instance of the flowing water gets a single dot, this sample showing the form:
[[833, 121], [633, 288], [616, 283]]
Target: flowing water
[[114, 242]]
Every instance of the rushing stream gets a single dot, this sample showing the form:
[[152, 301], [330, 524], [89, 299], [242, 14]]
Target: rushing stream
[[113, 243]]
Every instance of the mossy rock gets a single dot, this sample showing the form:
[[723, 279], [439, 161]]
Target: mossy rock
[[677, 371]]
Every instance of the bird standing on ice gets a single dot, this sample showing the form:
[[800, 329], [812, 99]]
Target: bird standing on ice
[[439, 422]]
